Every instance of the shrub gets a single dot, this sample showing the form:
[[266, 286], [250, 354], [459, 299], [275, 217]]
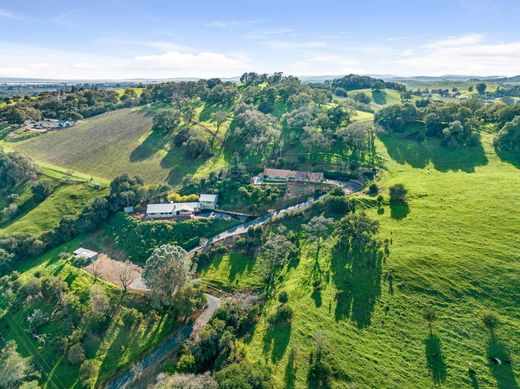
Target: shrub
[[88, 372], [76, 354], [283, 315], [398, 193], [373, 189], [283, 297], [186, 363]]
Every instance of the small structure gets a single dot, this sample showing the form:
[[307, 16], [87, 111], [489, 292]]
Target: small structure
[[208, 201], [128, 209], [85, 255], [284, 175]]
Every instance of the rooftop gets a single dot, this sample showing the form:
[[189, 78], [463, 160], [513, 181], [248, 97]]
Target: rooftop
[[84, 253], [204, 197]]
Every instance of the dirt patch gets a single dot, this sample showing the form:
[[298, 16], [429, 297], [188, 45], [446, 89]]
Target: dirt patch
[[112, 271]]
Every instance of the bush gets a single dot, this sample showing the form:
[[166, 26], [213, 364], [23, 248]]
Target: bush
[[283, 315], [76, 354], [283, 297], [373, 189], [88, 372], [42, 189], [398, 193], [186, 363]]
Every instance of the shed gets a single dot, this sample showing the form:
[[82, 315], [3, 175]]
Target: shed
[[85, 254]]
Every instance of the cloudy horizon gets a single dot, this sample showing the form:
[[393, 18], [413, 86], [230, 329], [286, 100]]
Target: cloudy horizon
[[114, 39]]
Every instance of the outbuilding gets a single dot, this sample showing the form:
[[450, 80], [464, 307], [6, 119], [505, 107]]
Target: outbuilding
[[85, 255]]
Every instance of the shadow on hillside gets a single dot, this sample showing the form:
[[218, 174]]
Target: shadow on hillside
[[503, 373], [276, 339], [399, 211], [379, 96], [179, 165], [357, 277], [209, 109], [290, 370], [404, 149], [435, 359], [151, 145], [509, 157], [238, 264]]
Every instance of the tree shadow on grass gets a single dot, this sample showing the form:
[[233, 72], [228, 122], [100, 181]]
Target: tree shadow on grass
[[290, 370], [276, 339], [316, 296], [399, 210], [151, 145], [357, 277], [403, 150], [503, 373], [238, 264], [435, 359]]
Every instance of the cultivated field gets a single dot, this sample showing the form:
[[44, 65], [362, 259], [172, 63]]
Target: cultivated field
[[117, 142]]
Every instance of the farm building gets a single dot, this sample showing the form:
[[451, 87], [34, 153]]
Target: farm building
[[208, 201], [283, 175], [85, 255], [170, 210]]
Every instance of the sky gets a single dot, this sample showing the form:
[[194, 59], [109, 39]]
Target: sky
[[155, 39]]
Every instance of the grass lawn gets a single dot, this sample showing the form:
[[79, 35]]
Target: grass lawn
[[65, 200], [233, 271], [114, 348], [454, 246]]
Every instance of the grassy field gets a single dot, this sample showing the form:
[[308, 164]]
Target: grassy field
[[117, 142], [114, 349], [38, 218], [454, 247]]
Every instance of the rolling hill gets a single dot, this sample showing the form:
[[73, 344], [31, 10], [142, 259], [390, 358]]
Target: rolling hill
[[453, 246], [117, 142]]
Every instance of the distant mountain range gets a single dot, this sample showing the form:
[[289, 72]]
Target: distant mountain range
[[318, 79]]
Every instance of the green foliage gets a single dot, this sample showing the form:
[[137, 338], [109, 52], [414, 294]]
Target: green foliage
[[244, 375], [398, 193], [508, 138], [167, 271], [138, 238], [166, 121], [14, 369]]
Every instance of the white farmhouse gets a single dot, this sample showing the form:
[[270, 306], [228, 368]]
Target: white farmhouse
[[208, 201], [169, 210]]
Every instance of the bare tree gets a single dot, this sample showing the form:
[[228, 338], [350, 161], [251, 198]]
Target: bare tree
[[125, 275], [219, 118]]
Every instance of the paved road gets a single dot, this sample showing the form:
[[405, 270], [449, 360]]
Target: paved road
[[161, 352], [348, 187], [182, 334]]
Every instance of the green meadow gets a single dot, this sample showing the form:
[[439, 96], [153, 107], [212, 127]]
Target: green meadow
[[454, 247]]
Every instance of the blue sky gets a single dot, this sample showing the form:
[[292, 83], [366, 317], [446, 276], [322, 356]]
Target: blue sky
[[160, 39]]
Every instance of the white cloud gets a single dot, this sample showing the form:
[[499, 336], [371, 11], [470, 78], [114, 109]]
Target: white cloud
[[230, 23], [286, 45], [40, 62], [6, 14], [466, 54]]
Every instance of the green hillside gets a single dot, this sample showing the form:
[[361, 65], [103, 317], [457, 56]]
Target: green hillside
[[112, 344], [454, 247], [117, 142], [38, 218]]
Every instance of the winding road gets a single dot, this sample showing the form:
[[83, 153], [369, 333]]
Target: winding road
[[162, 351]]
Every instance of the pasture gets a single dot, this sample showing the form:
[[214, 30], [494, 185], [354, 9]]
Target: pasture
[[454, 247]]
